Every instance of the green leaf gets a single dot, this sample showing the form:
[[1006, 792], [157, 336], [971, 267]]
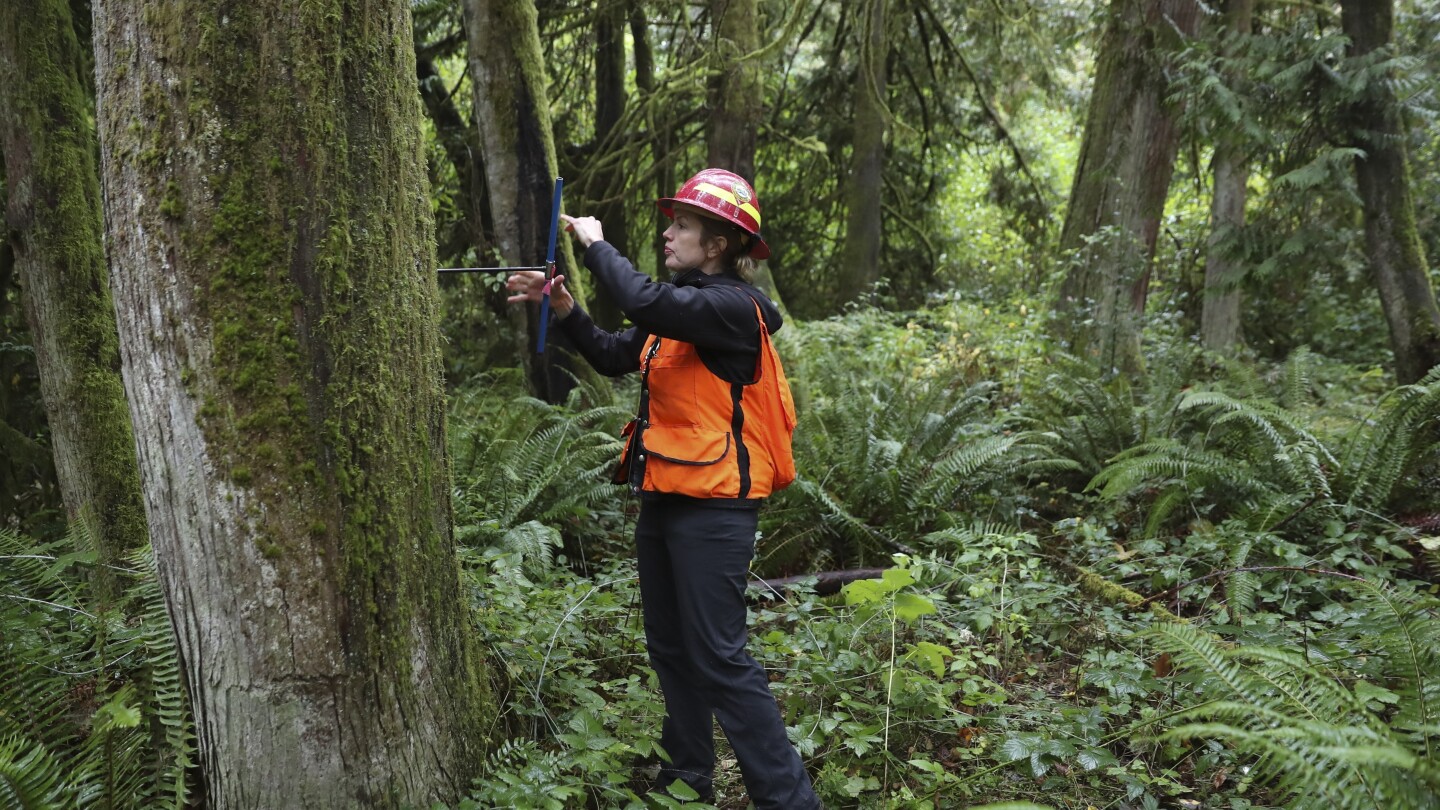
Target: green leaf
[[1092, 758], [1015, 749], [682, 791], [896, 578], [1367, 692], [932, 656], [864, 592], [910, 606], [117, 713]]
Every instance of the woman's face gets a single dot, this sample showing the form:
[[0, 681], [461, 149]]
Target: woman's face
[[683, 247]]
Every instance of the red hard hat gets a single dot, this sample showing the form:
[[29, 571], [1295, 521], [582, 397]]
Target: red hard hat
[[728, 197]]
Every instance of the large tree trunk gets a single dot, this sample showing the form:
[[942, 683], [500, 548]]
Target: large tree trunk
[[1392, 243], [54, 226], [513, 112], [859, 268], [1220, 311], [272, 262], [1127, 157]]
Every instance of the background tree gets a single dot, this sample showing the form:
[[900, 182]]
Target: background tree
[[607, 178], [737, 94], [30, 498], [54, 230], [512, 107], [271, 249], [1393, 248], [859, 264], [1127, 157], [1220, 309]]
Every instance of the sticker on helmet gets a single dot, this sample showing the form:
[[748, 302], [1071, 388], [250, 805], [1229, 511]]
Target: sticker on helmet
[[742, 194]]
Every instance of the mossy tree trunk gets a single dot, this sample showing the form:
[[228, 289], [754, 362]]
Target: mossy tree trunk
[[859, 268], [1220, 311], [53, 222], [512, 109], [271, 249], [1127, 157], [1392, 244]]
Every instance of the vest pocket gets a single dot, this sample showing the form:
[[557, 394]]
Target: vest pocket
[[685, 444], [686, 460]]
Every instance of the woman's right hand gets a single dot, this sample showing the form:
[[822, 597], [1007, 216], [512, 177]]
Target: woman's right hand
[[529, 285]]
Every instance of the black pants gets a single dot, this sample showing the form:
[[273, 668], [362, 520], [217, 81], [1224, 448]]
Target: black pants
[[693, 561]]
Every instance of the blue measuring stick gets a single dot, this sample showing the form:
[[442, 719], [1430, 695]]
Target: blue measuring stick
[[549, 265]]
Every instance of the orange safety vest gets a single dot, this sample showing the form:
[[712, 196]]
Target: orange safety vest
[[701, 436]]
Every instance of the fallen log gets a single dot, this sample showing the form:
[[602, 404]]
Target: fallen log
[[826, 582]]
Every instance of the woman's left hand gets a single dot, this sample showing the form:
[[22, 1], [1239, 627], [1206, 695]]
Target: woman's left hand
[[586, 229]]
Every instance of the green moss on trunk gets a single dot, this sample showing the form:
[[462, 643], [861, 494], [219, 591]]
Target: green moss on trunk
[[286, 154], [53, 211]]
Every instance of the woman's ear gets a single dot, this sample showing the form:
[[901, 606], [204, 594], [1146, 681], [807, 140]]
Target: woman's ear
[[716, 247]]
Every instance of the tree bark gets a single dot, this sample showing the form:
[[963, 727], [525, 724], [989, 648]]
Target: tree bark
[[513, 112], [860, 253], [1220, 311], [54, 226], [1127, 157], [1392, 244], [271, 248]]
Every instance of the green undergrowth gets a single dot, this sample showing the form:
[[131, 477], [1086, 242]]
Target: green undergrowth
[[1210, 589], [1177, 591]]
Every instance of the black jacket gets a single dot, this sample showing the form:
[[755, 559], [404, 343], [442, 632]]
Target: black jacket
[[715, 313]]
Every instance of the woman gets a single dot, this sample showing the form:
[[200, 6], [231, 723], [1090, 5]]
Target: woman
[[710, 441]]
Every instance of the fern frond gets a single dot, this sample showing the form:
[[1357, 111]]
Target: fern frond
[[1377, 455], [1315, 737], [30, 776]]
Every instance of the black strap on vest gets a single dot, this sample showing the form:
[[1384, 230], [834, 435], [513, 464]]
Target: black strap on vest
[[642, 420], [737, 426]]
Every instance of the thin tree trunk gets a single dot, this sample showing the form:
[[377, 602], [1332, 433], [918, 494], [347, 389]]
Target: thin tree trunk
[[659, 137], [1220, 311], [1392, 243], [1127, 157], [736, 91], [461, 143], [610, 99], [513, 113], [27, 468], [270, 237], [738, 105], [859, 268], [54, 225]]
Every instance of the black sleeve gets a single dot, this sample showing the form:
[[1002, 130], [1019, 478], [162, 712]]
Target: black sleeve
[[610, 353], [712, 317]]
